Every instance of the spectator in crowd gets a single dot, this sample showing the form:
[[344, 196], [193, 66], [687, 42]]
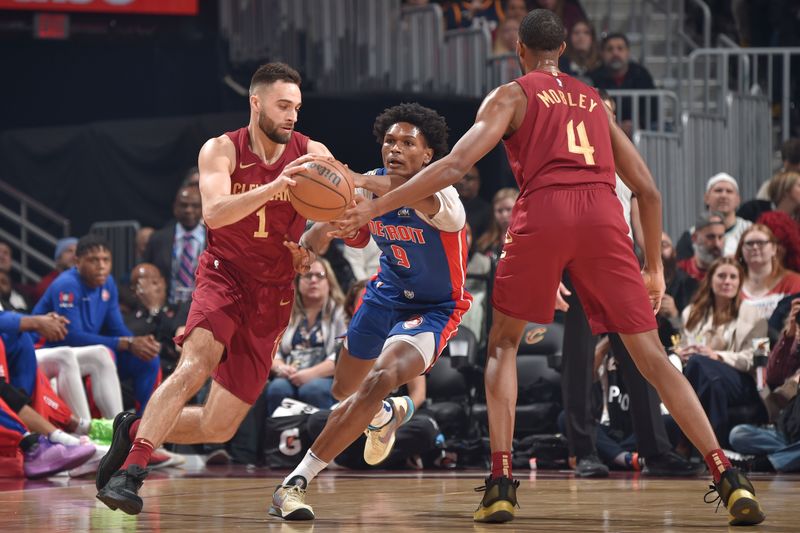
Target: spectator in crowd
[[364, 261], [153, 315], [790, 154], [505, 38], [766, 281], [778, 447], [142, 238], [64, 257], [708, 237], [722, 196], [175, 248], [303, 366], [619, 72], [515, 9], [87, 296], [192, 177], [680, 290], [9, 298], [464, 13], [479, 211], [9, 290], [784, 190], [581, 56], [717, 347], [569, 11], [491, 242]]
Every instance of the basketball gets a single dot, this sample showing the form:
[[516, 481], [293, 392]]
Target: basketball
[[323, 191]]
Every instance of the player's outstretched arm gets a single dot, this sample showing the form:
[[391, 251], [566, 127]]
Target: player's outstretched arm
[[220, 208], [382, 184], [500, 110], [634, 172]]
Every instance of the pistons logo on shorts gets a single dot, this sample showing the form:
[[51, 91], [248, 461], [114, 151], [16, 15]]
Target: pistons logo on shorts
[[413, 322]]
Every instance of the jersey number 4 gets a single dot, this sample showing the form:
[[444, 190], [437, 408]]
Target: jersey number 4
[[582, 147], [400, 255]]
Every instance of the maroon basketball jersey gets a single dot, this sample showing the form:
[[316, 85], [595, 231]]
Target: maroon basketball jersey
[[254, 244], [563, 140]]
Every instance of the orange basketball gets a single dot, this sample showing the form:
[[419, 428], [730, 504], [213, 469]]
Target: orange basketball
[[323, 191]]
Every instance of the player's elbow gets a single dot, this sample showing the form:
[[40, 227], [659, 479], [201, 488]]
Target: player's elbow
[[649, 194], [211, 217]]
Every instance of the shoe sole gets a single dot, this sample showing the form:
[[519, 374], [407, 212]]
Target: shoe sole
[[499, 511], [117, 453], [744, 509], [593, 474], [297, 514], [114, 502]]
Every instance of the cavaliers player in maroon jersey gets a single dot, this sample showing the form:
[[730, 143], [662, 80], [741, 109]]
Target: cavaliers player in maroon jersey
[[563, 146], [244, 292]]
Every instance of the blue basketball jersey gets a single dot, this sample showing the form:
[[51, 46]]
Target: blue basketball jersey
[[424, 259]]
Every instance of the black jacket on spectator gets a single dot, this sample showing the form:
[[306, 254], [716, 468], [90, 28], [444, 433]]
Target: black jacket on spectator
[[637, 77], [752, 209], [681, 287], [162, 326]]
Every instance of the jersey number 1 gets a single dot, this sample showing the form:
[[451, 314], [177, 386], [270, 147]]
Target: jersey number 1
[[262, 232], [583, 147], [400, 255]]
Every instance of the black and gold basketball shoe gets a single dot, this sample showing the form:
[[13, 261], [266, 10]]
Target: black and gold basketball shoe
[[499, 500], [118, 451], [739, 497]]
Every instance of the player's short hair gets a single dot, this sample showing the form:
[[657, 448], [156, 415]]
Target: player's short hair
[[430, 123], [615, 35], [541, 29], [269, 73], [89, 243], [790, 151]]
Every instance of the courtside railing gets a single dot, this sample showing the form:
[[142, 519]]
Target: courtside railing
[[754, 71], [36, 228]]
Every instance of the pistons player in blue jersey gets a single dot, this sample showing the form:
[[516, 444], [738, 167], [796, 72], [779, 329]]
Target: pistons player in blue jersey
[[410, 309]]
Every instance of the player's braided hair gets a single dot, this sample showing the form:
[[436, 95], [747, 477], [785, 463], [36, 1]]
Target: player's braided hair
[[430, 123], [541, 29]]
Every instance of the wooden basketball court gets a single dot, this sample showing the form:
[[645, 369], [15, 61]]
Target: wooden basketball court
[[235, 498]]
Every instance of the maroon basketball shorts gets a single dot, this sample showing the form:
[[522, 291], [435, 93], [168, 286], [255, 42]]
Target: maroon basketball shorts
[[580, 230], [246, 317]]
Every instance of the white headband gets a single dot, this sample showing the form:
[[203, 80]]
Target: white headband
[[722, 176]]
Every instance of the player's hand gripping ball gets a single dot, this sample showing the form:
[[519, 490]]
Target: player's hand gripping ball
[[323, 189]]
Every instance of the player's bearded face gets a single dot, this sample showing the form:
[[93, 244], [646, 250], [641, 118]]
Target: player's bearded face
[[274, 131]]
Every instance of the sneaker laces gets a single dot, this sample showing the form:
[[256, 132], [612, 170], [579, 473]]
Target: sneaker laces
[[485, 486], [718, 499], [295, 493]]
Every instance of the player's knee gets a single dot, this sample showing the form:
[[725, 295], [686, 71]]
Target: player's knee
[[379, 383]]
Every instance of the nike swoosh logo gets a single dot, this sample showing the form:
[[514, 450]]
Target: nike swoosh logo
[[286, 302], [246, 166]]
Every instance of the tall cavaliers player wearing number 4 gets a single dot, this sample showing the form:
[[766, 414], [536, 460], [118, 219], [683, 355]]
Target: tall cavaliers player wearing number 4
[[242, 301], [560, 141]]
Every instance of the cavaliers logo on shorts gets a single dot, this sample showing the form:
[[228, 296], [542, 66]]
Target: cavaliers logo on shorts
[[413, 323]]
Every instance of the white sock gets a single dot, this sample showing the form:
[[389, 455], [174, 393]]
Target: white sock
[[309, 467], [84, 424], [61, 437], [383, 416]]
